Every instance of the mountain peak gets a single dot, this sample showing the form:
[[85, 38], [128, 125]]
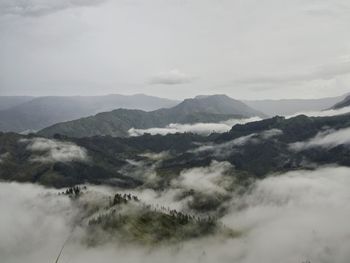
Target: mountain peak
[[216, 104]]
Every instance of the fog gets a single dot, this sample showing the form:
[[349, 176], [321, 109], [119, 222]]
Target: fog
[[326, 139], [323, 113], [199, 128], [224, 149], [292, 217], [49, 150]]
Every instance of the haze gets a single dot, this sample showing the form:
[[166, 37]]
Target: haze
[[175, 49]]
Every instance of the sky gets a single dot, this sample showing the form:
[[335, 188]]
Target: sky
[[247, 49]]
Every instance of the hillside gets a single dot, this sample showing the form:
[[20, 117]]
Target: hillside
[[41, 112], [254, 150], [117, 123], [344, 103], [7, 102]]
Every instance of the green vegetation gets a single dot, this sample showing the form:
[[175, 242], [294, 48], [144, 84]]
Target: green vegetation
[[128, 219], [108, 157], [117, 122]]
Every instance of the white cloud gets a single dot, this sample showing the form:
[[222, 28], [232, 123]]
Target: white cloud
[[302, 213], [325, 139], [41, 7], [171, 77], [224, 149], [325, 72], [47, 150], [208, 180], [323, 113], [4, 156], [198, 128]]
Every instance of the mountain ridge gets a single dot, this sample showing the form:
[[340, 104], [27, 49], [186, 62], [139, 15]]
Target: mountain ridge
[[41, 112], [214, 108]]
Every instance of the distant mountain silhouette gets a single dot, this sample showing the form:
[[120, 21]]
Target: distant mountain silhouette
[[41, 112]]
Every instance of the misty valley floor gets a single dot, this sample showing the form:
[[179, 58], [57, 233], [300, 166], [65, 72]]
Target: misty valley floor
[[295, 217]]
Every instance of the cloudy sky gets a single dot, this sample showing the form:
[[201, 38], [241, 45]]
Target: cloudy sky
[[248, 49]]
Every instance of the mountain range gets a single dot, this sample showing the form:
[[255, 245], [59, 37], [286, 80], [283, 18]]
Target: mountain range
[[118, 122], [19, 114], [7, 102], [255, 150]]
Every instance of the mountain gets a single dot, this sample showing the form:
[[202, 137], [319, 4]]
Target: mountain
[[216, 104], [116, 123], [291, 106], [344, 103], [7, 102], [255, 150], [42, 112]]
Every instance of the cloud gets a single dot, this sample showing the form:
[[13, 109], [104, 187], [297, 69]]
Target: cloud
[[172, 77], [4, 156], [47, 150], [303, 213], [41, 7], [323, 113], [270, 133], [198, 128], [37, 218], [224, 149], [327, 139], [208, 180], [327, 9], [325, 72]]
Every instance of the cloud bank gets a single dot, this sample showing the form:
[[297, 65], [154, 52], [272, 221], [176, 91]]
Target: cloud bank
[[48, 151], [324, 113], [198, 128], [325, 72], [224, 149], [208, 180], [327, 139], [302, 213]]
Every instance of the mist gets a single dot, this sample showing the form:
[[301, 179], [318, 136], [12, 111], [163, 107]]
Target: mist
[[327, 139], [302, 213], [54, 151], [198, 128], [323, 113]]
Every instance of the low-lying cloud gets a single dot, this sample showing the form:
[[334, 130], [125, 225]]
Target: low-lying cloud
[[223, 149], [198, 128], [4, 156], [48, 150], [324, 113], [327, 139], [302, 213], [209, 180]]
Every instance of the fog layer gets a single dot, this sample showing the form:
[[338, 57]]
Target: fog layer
[[199, 128], [293, 217]]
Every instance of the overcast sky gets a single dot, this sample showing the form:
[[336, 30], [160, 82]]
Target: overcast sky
[[248, 49]]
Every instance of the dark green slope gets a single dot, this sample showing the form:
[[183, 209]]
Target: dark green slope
[[42, 112], [117, 123], [108, 156]]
